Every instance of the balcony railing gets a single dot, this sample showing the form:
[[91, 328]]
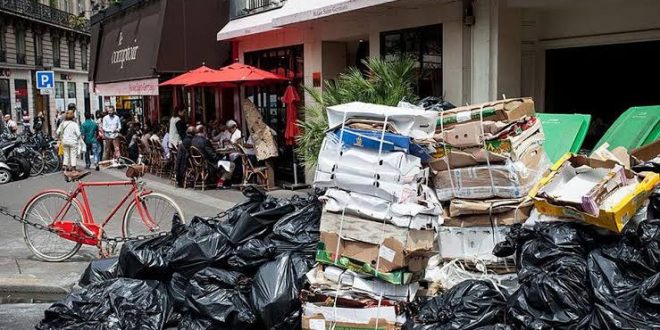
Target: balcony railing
[[44, 13], [242, 8]]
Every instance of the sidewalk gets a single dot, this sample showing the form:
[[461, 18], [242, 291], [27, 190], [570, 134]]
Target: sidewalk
[[24, 279]]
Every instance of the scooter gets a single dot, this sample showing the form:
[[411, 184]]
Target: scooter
[[13, 166]]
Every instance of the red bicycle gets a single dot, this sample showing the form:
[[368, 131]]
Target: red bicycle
[[70, 215]]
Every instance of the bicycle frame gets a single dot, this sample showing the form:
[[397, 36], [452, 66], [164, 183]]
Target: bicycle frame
[[88, 218]]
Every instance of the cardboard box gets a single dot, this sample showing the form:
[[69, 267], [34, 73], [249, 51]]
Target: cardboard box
[[613, 218], [502, 110], [324, 317], [459, 207], [507, 218], [471, 243], [645, 153]]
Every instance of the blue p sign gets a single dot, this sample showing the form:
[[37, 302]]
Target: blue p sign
[[45, 79]]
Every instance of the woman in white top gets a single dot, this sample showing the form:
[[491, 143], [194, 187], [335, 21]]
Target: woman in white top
[[68, 134]]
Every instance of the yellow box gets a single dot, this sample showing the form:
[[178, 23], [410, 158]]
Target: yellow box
[[613, 219]]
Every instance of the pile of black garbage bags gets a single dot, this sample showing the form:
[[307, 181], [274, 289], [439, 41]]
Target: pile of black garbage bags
[[241, 270], [570, 275]]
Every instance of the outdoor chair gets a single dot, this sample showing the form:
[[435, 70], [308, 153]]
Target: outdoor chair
[[200, 170], [250, 171]]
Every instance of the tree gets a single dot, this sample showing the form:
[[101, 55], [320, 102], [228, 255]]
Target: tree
[[385, 82]]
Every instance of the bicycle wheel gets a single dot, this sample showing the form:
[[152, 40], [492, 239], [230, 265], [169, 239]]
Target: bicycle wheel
[[162, 210], [36, 162], [45, 245], [51, 161]]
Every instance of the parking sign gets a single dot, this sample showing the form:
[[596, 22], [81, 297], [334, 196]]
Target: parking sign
[[45, 79]]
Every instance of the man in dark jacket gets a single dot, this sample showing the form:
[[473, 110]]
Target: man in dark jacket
[[202, 142], [182, 155]]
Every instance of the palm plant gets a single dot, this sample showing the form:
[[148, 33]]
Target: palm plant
[[386, 82]]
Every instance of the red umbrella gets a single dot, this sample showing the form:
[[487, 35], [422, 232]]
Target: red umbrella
[[188, 77], [237, 74], [292, 130]]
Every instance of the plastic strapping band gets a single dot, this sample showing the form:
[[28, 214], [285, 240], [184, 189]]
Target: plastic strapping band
[[343, 211], [483, 140], [444, 146], [334, 304]]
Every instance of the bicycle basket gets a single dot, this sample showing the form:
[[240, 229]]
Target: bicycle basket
[[135, 171]]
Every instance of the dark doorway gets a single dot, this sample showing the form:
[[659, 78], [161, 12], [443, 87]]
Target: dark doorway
[[602, 81]]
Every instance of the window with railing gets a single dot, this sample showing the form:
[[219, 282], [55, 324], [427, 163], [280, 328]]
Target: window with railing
[[56, 52], [242, 8], [20, 45], [45, 13], [72, 54], [38, 49]]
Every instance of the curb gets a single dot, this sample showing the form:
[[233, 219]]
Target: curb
[[30, 290]]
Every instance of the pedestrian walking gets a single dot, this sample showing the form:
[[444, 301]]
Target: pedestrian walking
[[68, 134], [89, 130], [111, 126]]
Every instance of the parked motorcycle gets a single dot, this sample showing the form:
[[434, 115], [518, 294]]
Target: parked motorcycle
[[13, 164]]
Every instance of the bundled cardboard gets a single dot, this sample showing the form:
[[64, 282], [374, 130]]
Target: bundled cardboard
[[502, 110], [426, 213], [472, 244], [509, 180], [326, 317], [615, 201]]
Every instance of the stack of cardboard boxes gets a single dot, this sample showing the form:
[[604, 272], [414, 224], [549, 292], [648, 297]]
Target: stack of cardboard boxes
[[380, 219], [488, 157]]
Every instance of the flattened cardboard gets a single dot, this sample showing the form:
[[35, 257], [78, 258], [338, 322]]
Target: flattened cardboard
[[389, 256], [319, 321], [507, 218], [458, 207], [646, 153], [502, 110]]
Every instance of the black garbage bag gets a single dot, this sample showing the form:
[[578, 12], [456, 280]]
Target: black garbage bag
[[176, 287], [191, 321], [147, 259], [249, 256], [299, 230], [220, 295], [100, 270], [653, 210], [513, 240], [470, 304], [276, 287], [552, 272], [258, 222], [202, 245], [120, 304]]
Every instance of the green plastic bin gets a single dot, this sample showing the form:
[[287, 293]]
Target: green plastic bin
[[636, 127], [563, 133]]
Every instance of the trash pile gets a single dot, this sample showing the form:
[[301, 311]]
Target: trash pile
[[430, 219], [380, 218], [241, 270]]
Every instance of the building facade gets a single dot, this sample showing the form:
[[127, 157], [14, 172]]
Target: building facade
[[44, 35], [137, 44], [589, 56]]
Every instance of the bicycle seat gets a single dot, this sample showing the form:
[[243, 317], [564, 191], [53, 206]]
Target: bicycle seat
[[75, 176], [136, 171]]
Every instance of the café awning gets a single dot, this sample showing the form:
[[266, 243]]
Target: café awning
[[253, 24], [237, 74], [314, 9]]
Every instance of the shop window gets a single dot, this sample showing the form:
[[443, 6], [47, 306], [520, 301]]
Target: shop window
[[3, 44], [59, 90], [72, 54], [21, 93], [5, 100], [424, 44], [20, 45], [38, 49], [83, 55], [56, 52]]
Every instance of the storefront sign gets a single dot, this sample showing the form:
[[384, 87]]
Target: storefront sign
[[126, 54], [142, 87], [5, 73]]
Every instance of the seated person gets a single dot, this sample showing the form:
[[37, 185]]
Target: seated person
[[201, 142], [186, 141], [235, 136], [222, 134]]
